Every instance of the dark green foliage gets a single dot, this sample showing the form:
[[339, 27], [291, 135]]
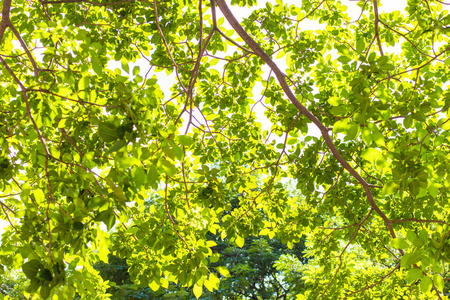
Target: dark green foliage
[[252, 269]]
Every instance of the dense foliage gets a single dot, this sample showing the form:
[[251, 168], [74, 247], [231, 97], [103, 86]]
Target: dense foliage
[[105, 105], [257, 271]]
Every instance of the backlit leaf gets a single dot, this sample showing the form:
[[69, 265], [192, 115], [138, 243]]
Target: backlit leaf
[[425, 284]]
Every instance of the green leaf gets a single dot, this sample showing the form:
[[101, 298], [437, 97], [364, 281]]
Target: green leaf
[[411, 235], [117, 146], [107, 132], [31, 268], [42, 25], [292, 141], [382, 60], [208, 285], [447, 62], [185, 140], [169, 152], [78, 226], [413, 275], [433, 190], [352, 131], [390, 188], [211, 243], [118, 191], [407, 122], [341, 126], [164, 283], [399, 243], [97, 66], [280, 54], [152, 174], [438, 282], [338, 110], [344, 59], [418, 242], [45, 275], [214, 258], [179, 154], [39, 196], [214, 280], [107, 217], [136, 70], [387, 67], [45, 291], [360, 45], [224, 271], [35, 284], [139, 176], [229, 33], [373, 155], [425, 284], [83, 83], [335, 101], [372, 57], [125, 66], [414, 258], [168, 167], [129, 161]]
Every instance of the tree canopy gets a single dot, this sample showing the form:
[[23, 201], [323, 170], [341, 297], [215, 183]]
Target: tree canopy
[[130, 126]]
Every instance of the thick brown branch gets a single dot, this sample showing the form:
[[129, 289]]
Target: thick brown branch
[[377, 32], [25, 48], [5, 18]]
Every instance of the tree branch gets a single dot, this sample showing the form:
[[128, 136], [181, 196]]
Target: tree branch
[[5, 18]]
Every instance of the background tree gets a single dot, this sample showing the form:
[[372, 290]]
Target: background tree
[[252, 274], [84, 144], [13, 286]]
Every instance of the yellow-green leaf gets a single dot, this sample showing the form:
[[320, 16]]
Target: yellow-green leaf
[[185, 140], [154, 286], [438, 282], [425, 284], [168, 167], [413, 275], [280, 54], [399, 243], [39, 195], [198, 290], [239, 241], [224, 271]]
